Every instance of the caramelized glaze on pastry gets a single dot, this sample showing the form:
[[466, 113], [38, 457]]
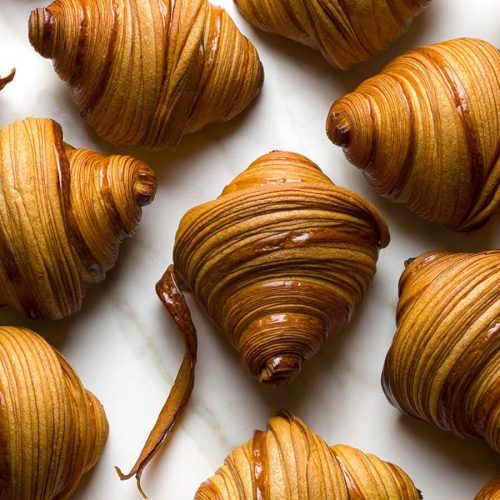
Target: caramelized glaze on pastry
[[290, 462], [63, 214], [426, 132], [147, 72], [345, 31], [52, 430], [444, 362]]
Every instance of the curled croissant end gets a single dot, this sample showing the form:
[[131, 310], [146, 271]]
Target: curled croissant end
[[281, 370], [444, 363], [42, 398], [344, 32], [192, 68], [491, 491], [169, 293], [63, 214], [426, 132], [4, 81], [279, 261], [290, 461]]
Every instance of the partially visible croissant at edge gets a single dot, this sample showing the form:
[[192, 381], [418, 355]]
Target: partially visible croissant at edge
[[63, 214], [7, 79], [444, 362], [491, 491], [144, 73], [426, 132], [289, 461], [52, 430], [346, 32]]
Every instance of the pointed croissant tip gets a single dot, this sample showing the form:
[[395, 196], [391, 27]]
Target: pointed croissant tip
[[145, 186], [281, 370], [338, 129], [41, 32]]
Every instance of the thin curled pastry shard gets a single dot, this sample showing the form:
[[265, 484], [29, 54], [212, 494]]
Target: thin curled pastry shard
[[63, 214], [426, 132], [52, 430], [346, 32], [7, 79], [169, 293], [279, 261], [444, 362], [147, 72], [289, 461], [491, 491]]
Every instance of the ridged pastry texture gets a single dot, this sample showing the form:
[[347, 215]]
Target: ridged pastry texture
[[279, 261], [290, 462], [426, 131], [52, 430], [491, 491], [444, 362], [63, 215], [146, 72], [345, 31], [7, 79]]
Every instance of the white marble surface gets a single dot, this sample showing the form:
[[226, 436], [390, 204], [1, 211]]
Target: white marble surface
[[124, 345]]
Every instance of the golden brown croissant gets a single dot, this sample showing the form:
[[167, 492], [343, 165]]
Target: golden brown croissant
[[346, 32], [279, 261], [4, 81], [63, 215], [52, 430], [491, 491], [444, 362], [426, 131], [146, 72], [289, 461]]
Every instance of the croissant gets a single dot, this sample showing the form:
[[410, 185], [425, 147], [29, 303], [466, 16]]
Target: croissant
[[145, 72], [63, 215], [346, 32], [426, 132], [289, 461], [52, 430], [279, 261], [444, 362], [491, 491], [4, 81]]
